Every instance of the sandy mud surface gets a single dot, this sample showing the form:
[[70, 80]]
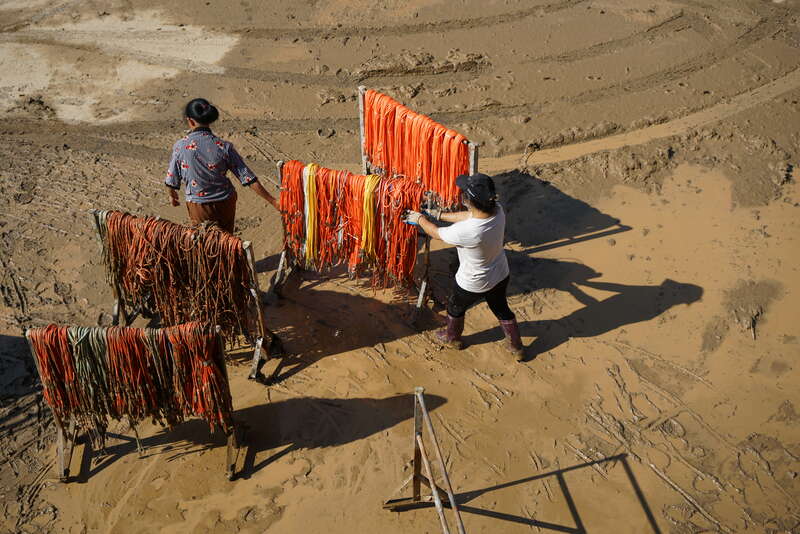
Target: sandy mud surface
[[646, 153]]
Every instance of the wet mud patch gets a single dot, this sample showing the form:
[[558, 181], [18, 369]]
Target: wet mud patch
[[745, 306], [748, 302], [409, 62]]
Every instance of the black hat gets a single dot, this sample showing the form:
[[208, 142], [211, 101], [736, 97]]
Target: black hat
[[477, 187]]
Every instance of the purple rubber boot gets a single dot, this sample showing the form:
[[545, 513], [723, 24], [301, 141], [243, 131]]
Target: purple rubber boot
[[450, 335], [513, 343]]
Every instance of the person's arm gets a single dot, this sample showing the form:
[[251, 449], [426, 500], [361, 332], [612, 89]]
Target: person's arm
[[451, 217], [422, 221], [247, 177], [428, 227], [263, 193], [454, 216], [173, 179]]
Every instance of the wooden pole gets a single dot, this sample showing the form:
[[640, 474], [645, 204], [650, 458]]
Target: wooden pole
[[434, 490], [423, 287], [442, 466], [254, 291], [61, 437], [118, 311], [473, 158], [361, 128], [415, 481], [280, 276], [231, 455]]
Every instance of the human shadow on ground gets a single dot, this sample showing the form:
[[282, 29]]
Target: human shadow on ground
[[288, 425], [631, 304], [579, 528], [539, 216]]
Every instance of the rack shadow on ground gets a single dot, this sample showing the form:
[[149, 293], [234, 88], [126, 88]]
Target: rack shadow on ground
[[310, 423], [314, 323], [288, 425], [19, 387], [579, 528]]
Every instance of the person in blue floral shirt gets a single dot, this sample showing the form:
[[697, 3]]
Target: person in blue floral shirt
[[200, 161]]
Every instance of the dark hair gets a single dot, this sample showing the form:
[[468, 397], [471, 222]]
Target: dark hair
[[487, 206], [201, 110]]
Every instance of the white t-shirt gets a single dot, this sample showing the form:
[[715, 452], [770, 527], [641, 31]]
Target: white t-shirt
[[479, 243]]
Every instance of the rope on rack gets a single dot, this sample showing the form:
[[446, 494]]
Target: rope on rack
[[401, 142], [356, 221], [183, 273], [167, 375]]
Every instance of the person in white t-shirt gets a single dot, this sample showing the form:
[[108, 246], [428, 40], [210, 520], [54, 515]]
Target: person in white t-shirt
[[483, 268]]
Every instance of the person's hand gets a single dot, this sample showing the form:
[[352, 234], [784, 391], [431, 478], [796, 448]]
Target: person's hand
[[174, 200], [434, 213], [413, 217]]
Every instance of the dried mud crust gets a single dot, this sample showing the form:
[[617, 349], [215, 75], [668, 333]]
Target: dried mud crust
[[759, 167]]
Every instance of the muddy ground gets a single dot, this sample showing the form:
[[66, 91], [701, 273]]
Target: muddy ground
[[646, 153]]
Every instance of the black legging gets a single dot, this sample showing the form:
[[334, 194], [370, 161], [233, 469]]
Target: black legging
[[461, 299]]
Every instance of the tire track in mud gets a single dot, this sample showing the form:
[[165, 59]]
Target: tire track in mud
[[716, 113], [425, 74], [673, 24], [309, 34], [39, 16], [765, 28], [82, 41]]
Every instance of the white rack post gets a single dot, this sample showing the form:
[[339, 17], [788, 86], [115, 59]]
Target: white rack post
[[417, 479], [119, 311], [254, 291], [473, 158], [283, 268], [361, 128]]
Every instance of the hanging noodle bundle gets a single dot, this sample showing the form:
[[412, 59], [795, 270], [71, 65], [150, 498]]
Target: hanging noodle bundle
[[355, 220], [167, 375], [185, 274], [401, 142]]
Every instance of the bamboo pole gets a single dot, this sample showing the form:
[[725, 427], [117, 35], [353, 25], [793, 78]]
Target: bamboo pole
[[118, 311], [442, 466], [361, 128], [434, 490], [473, 158], [254, 291]]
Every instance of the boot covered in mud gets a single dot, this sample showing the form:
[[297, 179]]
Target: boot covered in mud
[[512, 342], [450, 335]]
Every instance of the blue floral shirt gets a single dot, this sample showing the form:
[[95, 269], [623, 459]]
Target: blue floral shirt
[[201, 160]]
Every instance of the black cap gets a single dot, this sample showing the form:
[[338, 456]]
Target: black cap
[[477, 187]]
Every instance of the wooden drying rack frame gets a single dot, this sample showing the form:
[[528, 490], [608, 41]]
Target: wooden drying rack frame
[[366, 167], [284, 267], [67, 437], [417, 479], [119, 311]]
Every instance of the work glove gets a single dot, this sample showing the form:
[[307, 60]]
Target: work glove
[[412, 217], [433, 213]]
